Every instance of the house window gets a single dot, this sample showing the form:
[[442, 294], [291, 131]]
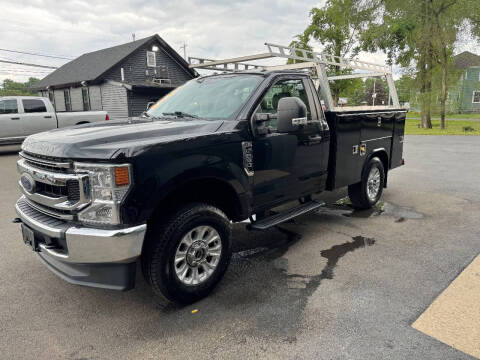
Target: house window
[[476, 97], [86, 99], [68, 102], [151, 61]]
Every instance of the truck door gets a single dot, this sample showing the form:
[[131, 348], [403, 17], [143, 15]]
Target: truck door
[[37, 116], [10, 119], [287, 165]]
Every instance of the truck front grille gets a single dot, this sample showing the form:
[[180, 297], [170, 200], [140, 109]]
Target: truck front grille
[[47, 163], [51, 190], [57, 190], [73, 190], [39, 216]]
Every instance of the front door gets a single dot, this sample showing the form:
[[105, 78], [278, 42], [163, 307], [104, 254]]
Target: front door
[[36, 117], [287, 165]]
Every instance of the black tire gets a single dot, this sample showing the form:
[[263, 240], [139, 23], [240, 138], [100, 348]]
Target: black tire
[[162, 242], [358, 193]]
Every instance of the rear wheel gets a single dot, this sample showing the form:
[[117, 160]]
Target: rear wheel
[[368, 191], [185, 258]]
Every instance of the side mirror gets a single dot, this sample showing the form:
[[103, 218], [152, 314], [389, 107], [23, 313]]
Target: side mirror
[[150, 104], [292, 112]]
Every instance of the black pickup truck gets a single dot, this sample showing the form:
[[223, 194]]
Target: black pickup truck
[[164, 188]]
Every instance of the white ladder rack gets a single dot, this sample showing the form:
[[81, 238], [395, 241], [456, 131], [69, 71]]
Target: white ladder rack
[[307, 60]]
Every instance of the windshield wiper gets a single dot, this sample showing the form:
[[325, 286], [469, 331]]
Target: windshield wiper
[[180, 114]]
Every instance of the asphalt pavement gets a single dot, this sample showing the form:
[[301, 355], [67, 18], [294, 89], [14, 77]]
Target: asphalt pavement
[[335, 284]]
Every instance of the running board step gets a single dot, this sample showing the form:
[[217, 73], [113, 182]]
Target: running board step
[[289, 214]]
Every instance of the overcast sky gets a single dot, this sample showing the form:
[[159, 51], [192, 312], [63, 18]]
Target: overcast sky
[[212, 29]]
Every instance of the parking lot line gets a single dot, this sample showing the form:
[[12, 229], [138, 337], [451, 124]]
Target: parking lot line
[[454, 317]]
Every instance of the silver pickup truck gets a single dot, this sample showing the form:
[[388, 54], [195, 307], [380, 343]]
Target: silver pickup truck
[[21, 116]]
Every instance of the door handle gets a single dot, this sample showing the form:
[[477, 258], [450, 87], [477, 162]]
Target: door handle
[[15, 118], [315, 138], [48, 117]]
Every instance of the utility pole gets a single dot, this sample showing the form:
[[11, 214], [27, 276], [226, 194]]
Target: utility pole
[[184, 47], [133, 37]]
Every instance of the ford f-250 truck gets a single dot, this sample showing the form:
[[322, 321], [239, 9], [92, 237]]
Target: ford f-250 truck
[[21, 116], [164, 189]]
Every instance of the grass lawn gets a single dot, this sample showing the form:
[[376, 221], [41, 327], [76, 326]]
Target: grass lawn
[[415, 114], [454, 127]]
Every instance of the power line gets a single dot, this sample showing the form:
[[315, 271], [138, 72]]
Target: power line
[[23, 73], [36, 54], [9, 67], [28, 64]]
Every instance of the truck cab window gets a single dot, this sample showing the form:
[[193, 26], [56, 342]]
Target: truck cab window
[[34, 106], [8, 107], [283, 88]]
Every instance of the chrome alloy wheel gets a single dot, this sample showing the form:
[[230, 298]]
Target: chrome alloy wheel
[[373, 183], [198, 255]]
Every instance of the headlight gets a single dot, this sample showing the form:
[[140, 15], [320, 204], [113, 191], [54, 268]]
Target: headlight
[[109, 185]]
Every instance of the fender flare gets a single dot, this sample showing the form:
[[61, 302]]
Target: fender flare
[[385, 161]]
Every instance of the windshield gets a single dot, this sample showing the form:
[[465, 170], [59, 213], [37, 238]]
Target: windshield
[[217, 97]]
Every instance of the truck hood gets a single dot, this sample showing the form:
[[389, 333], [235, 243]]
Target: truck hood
[[105, 140]]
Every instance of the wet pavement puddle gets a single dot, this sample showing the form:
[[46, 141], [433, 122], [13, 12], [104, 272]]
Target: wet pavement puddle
[[272, 251], [259, 285], [344, 207]]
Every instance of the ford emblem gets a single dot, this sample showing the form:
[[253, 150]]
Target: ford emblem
[[28, 182]]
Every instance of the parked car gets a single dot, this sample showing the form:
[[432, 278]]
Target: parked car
[[164, 189], [21, 116]]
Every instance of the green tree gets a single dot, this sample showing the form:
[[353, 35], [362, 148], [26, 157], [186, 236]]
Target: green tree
[[354, 92], [376, 92], [338, 26], [403, 33], [422, 33], [446, 16], [405, 86], [300, 42], [12, 88]]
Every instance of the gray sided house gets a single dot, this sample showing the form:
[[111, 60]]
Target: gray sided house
[[465, 96], [121, 80]]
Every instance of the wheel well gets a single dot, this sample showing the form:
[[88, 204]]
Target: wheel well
[[382, 155], [210, 191]]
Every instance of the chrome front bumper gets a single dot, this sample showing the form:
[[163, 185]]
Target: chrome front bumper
[[84, 245]]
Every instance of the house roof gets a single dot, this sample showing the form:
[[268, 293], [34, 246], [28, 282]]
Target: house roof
[[91, 66], [466, 59]]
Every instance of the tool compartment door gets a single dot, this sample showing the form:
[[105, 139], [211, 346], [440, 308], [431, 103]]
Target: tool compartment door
[[398, 137], [377, 131], [344, 164]]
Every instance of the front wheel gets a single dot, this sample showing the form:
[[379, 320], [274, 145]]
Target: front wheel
[[186, 257], [366, 193]]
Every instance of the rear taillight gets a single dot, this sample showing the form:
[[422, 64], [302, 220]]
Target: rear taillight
[[107, 117]]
